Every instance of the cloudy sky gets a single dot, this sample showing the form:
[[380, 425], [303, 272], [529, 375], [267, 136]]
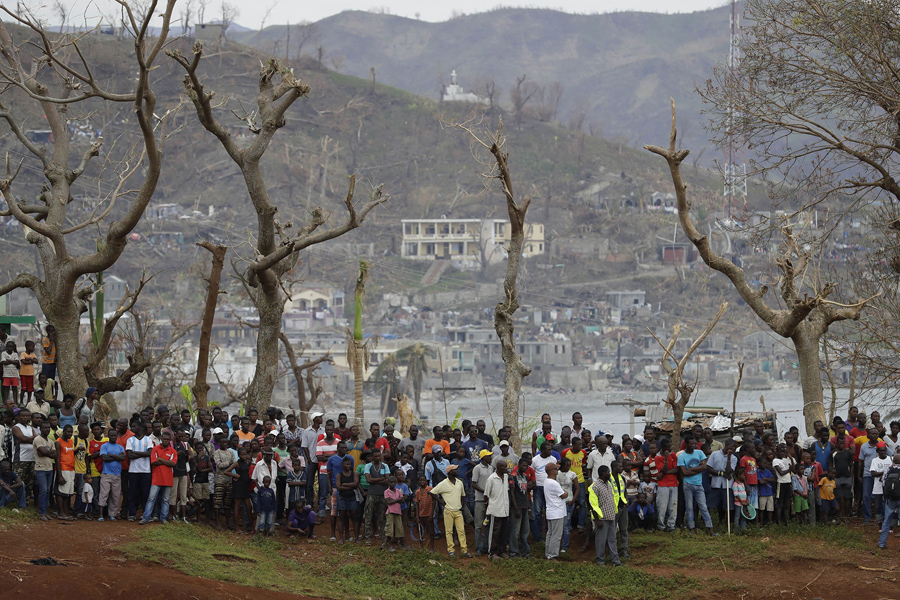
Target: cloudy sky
[[252, 12]]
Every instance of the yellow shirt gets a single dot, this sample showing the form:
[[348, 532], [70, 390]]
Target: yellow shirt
[[826, 489], [29, 368], [577, 464], [452, 494]]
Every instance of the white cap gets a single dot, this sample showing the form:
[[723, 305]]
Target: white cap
[[503, 443], [315, 414]]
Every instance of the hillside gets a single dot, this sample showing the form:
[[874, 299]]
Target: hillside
[[386, 136], [619, 67]]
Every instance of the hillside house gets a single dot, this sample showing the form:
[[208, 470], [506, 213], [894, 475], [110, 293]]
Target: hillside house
[[626, 299], [467, 243]]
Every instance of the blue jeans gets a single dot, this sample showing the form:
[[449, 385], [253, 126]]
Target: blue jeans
[[518, 532], [45, 482], [891, 509], [537, 514], [694, 493], [264, 520], [580, 506], [157, 490], [17, 495], [868, 483], [567, 526]]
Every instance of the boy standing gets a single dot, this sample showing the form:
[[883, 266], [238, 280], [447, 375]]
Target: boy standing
[[826, 494], [766, 480], [424, 512], [9, 359], [27, 360], [393, 524], [267, 501], [556, 511]]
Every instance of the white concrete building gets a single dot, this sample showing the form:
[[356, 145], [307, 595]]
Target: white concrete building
[[466, 243]]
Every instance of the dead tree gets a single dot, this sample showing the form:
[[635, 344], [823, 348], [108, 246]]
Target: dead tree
[[276, 249], [521, 94], [201, 386], [805, 318], [39, 69], [308, 370], [678, 392], [515, 369]]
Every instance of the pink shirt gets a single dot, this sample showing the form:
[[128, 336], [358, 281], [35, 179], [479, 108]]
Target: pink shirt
[[395, 494]]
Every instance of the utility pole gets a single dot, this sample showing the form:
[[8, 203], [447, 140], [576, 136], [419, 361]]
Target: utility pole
[[735, 191]]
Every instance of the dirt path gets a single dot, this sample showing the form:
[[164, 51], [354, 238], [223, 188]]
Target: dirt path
[[97, 570]]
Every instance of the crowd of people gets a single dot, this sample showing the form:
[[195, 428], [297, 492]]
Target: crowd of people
[[264, 473]]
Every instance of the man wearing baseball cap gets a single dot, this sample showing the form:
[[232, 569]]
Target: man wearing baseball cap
[[867, 453], [450, 494], [480, 475], [308, 445]]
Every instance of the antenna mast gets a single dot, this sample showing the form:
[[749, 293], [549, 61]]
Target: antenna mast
[[735, 167]]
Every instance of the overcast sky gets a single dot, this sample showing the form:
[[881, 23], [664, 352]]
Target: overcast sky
[[252, 12]]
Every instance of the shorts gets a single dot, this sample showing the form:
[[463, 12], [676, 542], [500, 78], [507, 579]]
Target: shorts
[[66, 482], [766, 503], [201, 491], [393, 526], [11, 382], [223, 498], [801, 504], [49, 369], [27, 383], [347, 504], [843, 490], [178, 495], [830, 505]]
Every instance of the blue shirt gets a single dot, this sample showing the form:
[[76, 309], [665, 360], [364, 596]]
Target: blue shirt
[[866, 453], [266, 500], [441, 465], [113, 467], [823, 456], [692, 461], [473, 448], [718, 463], [462, 471], [765, 489], [405, 489], [335, 464]]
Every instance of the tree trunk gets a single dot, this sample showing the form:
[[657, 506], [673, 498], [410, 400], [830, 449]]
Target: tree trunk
[[270, 304], [358, 378], [678, 416], [69, 364], [806, 343], [201, 387]]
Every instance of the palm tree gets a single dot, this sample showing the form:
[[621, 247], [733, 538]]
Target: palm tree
[[387, 376], [415, 358], [357, 350]]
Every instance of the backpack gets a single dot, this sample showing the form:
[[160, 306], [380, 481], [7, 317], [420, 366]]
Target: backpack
[[892, 484], [437, 476]]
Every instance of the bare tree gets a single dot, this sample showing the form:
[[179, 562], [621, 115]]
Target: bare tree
[[304, 374], [53, 84], [521, 94], [201, 387], [805, 318], [276, 249], [307, 33], [202, 5], [229, 12], [187, 14], [515, 369], [674, 370]]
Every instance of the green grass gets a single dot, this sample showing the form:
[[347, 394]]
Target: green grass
[[366, 572], [743, 550], [11, 520]]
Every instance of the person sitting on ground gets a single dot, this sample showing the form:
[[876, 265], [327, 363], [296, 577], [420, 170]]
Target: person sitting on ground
[[302, 520], [643, 513]]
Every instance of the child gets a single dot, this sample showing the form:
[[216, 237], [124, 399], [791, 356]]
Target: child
[[365, 461], [648, 486], [643, 513], [766, 494], [267, 501], [842, 461], [347, 484], [424, 513], [296, 480], [826, 494], [878, 468], [404, 506], [27, 360], [201, 468], [739, 489], [801, 492], [301, 520], [87, 497], [9, 359], [393, 520]]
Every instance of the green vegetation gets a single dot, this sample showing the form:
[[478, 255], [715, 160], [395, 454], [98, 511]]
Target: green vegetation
[[367, 572], [11, 518]]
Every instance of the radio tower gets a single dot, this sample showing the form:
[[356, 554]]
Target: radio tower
[[735, 166]]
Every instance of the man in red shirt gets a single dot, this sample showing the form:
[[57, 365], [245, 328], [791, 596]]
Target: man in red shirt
[[162, 459], [667, 490]]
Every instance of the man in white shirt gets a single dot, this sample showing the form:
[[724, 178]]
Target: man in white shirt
[[308, 442], [267, 466], [496, 502], [137, 449], [23, 451], [601, 455], [539, 464], [555, 498]]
